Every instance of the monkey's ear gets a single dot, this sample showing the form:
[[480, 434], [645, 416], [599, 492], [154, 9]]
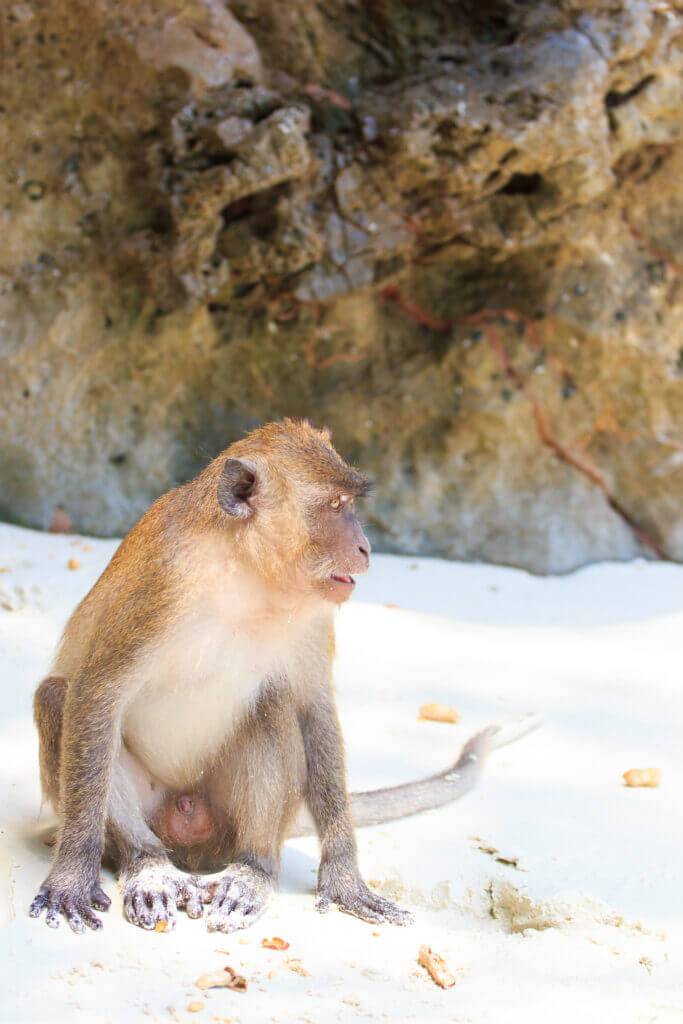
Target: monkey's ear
[[236, 485]]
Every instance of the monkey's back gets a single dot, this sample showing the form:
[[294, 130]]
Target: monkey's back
[[134, 587]]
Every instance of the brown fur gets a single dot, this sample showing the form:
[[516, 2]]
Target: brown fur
[[48, 709]]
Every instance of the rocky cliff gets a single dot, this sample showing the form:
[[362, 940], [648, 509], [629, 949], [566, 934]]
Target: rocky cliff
[[451, 232]]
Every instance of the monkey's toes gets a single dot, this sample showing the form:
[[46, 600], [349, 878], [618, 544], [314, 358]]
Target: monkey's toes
[[190, 896], [233, 915], [236, 905], [239, 897], [153, 896], [147, 908], [193, 906]]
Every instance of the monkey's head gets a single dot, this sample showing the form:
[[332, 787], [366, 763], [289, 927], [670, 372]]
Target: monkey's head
[[292, 497]]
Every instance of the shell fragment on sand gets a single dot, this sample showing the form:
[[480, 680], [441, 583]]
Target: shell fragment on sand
[[223, 978], [436, 967], [644, 778], [438, 713], [275, 943]]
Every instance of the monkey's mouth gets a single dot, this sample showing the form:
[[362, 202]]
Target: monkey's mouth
[[346, 581]]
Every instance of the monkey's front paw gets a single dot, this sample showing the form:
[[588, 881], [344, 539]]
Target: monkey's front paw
[[55, 898], [238, 898], [152, 897], [353, 897]]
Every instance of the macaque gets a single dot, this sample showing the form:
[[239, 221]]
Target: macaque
[[188, 724]]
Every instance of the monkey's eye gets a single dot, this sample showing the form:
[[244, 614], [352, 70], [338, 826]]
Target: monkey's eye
[[336, 504]]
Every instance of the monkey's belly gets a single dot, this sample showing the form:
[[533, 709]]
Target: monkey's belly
[[185, 713], [176, 739]]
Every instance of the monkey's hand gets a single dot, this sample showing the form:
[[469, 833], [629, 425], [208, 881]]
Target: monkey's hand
[[238, 898], [343, 886], [64, 894], [153, 894]]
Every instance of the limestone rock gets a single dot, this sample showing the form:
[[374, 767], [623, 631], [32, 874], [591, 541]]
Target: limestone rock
[[456, 238], [204, 40]]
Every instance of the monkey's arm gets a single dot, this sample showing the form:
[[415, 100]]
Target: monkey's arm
[[88, 741], [339, 879], [381, 805]]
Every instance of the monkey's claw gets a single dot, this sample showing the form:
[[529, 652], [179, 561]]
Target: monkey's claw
[[355, 898], [238, 898], [153, 896], [56, 899]]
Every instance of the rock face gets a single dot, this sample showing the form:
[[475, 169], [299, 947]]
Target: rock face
[[451, 232]]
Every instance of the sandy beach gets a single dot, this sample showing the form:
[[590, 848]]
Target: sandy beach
[[553, 892]]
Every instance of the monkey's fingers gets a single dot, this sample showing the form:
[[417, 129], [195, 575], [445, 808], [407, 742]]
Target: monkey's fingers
[[79, 914], [100, 900], [389, 912], [39, 903], [52, 913], [368, 906], [323, 904], [75, 909]]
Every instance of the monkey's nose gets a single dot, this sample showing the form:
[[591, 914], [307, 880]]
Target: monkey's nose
[[363, 547]]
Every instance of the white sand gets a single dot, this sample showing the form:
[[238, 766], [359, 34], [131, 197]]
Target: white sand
[[587, 928]]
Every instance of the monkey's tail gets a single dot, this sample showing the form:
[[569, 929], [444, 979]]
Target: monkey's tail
[[393, 802]]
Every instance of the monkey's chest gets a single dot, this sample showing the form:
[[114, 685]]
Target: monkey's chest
[[197, 689]]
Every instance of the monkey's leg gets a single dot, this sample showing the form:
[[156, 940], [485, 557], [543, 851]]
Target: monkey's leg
[[339, 879], [153, 887], [256, 791]]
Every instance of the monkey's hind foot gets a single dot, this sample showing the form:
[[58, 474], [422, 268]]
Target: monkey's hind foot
[[76, 906], [353, 897], [238, 897], [153, 895]]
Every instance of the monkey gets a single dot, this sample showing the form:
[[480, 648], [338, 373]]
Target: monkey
[[188, 725]]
